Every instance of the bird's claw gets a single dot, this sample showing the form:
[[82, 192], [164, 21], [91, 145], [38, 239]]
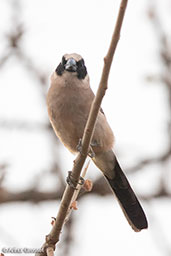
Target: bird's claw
[[79, 146], [72, 182], [91, 153]]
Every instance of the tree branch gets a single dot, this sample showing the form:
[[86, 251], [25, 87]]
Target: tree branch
[[53, 237]]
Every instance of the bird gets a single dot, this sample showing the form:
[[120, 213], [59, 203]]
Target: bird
[[69, 100]]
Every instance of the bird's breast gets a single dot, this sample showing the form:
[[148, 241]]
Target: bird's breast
[[68, 115]]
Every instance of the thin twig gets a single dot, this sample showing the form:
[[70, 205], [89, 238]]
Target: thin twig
[[53, 237], [76, 192]]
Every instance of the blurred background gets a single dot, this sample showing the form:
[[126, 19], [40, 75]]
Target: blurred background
[[34, 36]]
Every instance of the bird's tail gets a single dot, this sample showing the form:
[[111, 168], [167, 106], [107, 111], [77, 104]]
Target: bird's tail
[[127, 199]]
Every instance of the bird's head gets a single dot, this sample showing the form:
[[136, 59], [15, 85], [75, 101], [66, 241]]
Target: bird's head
[[72, 63]]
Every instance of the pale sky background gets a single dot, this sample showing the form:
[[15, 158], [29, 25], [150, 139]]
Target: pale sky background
[[135, 109]]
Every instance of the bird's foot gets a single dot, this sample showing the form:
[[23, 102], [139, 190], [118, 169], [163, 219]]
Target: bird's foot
[[72, 182], [79, 146], [93, 143], [91, 153]]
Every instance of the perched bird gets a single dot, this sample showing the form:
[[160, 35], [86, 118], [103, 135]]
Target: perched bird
[[69, 100]]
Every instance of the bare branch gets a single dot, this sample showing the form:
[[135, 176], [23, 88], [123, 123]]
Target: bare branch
[[153, 160], [100, 188], [28, 195]]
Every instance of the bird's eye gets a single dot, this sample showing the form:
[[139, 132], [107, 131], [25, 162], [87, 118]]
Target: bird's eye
[[80, 63], [63, 62]]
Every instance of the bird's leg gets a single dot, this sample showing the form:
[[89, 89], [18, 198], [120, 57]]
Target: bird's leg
[[72, 182], [93, 143], [91, 153]]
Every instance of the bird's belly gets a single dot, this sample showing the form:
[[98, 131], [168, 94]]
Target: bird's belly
[[69, 118]]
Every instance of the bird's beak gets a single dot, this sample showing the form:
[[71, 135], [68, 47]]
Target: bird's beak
[[71, 65]]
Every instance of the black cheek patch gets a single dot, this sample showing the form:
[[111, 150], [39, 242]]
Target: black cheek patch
[[81, 72], [59, 70]]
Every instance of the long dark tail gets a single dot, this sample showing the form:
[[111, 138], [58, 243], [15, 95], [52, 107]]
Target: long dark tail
[[127, 200]]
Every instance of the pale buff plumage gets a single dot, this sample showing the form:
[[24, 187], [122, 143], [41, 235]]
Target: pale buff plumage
[[69, 100]]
